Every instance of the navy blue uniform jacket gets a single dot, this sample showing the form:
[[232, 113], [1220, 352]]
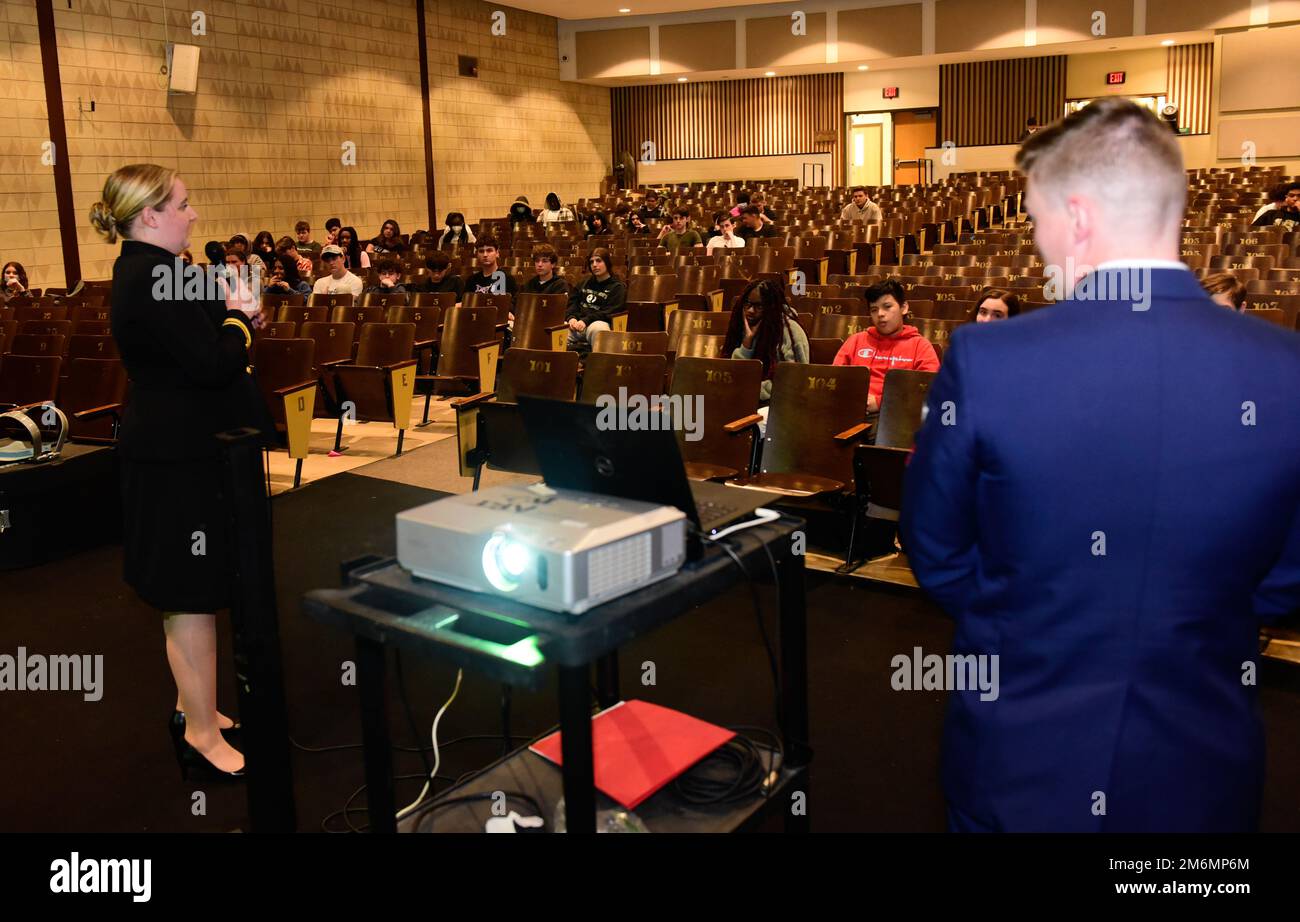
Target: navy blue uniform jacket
[[1169, 439]]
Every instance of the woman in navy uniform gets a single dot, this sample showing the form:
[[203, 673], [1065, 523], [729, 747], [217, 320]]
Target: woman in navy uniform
[[187, 356]]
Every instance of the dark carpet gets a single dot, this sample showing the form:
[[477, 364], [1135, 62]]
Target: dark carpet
[[72, 765]]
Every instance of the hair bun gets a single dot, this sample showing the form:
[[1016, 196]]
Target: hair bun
[[101, 216]]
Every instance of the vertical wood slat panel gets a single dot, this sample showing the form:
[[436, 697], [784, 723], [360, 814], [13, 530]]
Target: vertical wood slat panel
[[986, 102], [1189, 72], [740, 118]]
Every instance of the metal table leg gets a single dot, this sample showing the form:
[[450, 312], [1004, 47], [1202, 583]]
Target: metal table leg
[[607, 693], [794, 676], [575, 749], [380, 796]]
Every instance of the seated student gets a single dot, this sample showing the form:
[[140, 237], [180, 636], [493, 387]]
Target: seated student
[[861, 209], [765, 327], [889, 343], [456, 232], [243, 284], [597, 224], [389, 239], [13, 280], [441, 275], [263, 248], [1226, 289], [546, 282], [286, 247], [1276, 196], [679, 234], [390, 276], [354, 257], [338, 281], [555, 212], [651, 209], [759, 201], [1286, 214], [995, 304], [635, 225], [752, 224], [490, 278], [332, 228], [742, 202], [593, 303], [285, 278], [727, 239], [521, 212], [305, 245], [240, 242]]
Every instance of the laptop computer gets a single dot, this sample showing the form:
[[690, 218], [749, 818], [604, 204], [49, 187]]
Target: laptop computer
[[574, 453]]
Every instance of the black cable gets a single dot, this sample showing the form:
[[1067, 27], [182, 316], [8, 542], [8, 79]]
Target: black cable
[[762, 625], [348, 809], [506, 692], [345, 746], [410, 717]]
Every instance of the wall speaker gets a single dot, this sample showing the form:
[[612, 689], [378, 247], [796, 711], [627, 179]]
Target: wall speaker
[[182, 68]]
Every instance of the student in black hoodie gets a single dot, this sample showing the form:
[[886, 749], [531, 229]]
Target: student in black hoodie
[[442, 276], [593, 303], [546, 282]]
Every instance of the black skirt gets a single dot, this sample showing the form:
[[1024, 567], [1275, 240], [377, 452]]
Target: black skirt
[[176, 534]]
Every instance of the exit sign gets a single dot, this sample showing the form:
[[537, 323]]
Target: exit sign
[[1115, 77], [890, 92]]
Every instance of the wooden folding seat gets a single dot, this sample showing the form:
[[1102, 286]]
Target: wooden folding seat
[[43, 312], [1275, 287], [1235, 264], [1270, 314], [92, 396], [8, 330], [1289, 305], [651, 300], [384, 299], [278, 330], [272, 301], [504, 303], [729, 389], [683, 323], [83, 313], [359, 317], [299, 314], [380, 384], [329, 301], [287, 380], [842, 305], [540, 323], [816, 419], [698, 288], [604, 373], [333, 346], [937, 332], [91, 328], [28, 380], [839, 326], [39, 344], [468, 349], [489, 428], [823, 351], [45, 328], [810, 258], [426, 321], [634, 342]]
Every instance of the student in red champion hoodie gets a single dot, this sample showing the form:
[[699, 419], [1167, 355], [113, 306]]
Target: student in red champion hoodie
[[890, 343]]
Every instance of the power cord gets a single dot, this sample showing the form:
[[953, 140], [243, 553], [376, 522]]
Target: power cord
[[735, 771], [437, 755]]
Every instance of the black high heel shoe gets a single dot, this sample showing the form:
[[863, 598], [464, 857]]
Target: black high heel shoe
[[190, 759], [232, 733]]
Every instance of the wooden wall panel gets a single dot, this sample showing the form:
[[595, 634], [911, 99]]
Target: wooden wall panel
[[987, 102], [730, 118], [1191, 69]]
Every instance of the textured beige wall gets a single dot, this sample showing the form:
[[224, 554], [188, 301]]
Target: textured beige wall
[[516, 130], [29, 222], [283, 85]]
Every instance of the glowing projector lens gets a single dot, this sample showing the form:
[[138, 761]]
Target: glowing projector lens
[[504, 561]]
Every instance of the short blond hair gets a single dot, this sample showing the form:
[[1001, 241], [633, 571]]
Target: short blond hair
[[130, 190], [1115, 149]]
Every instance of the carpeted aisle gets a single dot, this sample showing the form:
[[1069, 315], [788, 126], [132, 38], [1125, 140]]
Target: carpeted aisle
[[106, 766]]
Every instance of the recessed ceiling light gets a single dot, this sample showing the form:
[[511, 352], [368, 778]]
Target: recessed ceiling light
[[770, 73], [681, 79], [862, 67], [624, 10], [1168, 41]]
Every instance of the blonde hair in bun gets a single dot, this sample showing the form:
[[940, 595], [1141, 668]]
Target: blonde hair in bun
[[129, 191]]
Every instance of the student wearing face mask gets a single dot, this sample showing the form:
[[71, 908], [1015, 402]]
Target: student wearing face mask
[[456, 231]]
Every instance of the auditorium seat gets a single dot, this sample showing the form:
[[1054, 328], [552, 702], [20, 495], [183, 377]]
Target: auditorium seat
[[329, 301], [427, 320], [604, 373], [92, 397], [469, 346], [540, 323], [639, 343], [729, 390], [38, 344], [287, 381], [489, 428], [380, 383], [28, 380], [299, 314]]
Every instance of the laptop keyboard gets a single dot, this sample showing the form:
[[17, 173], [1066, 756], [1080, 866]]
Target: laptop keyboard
[[710, 511]]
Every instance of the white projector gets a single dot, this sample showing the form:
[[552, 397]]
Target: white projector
[[557, 549]]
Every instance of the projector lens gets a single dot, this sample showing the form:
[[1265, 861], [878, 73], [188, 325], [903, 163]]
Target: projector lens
[[504, 561]]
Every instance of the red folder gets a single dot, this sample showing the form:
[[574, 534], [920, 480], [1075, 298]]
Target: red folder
[[638, 747]]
